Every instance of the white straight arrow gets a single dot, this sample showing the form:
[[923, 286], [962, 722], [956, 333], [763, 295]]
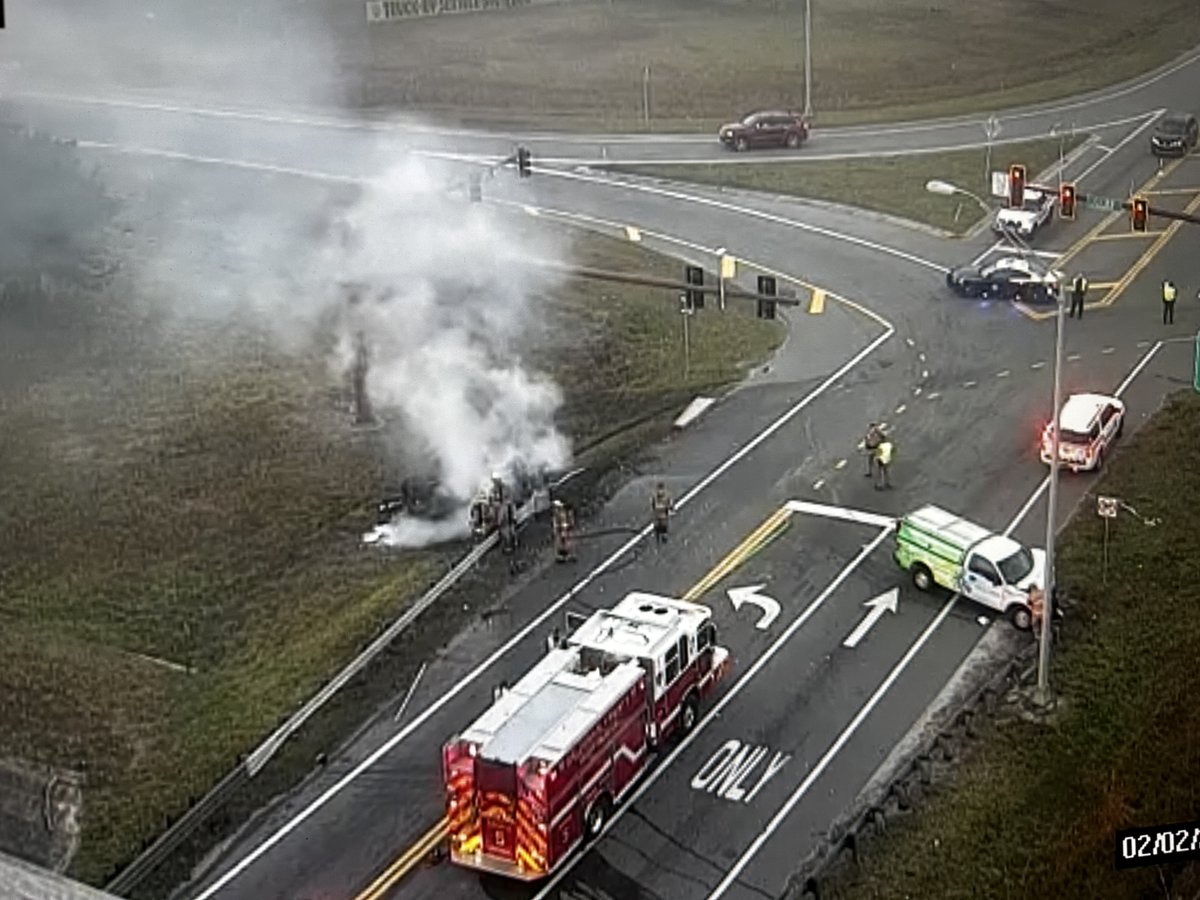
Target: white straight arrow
[[885, 602], [769, 605]]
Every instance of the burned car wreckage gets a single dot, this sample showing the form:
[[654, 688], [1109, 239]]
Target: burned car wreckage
[[498, 501]]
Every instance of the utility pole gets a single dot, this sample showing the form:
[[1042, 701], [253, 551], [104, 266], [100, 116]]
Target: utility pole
[[685, 310], [1042, 695], [807, 59], [646, 95]]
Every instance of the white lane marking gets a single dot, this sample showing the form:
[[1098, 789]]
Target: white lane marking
[[221, 161], [970, 384], [934, 395], [840, 464], [917, 391], [1121, 388], [1073, 357], [924, 373], [840, 512], [901, 408], [472, 676], [1108, 350], [858, 131], [1037, 365], [848, 732], [996, 247], [823, 763], [1003, 374], [818, 484], [1150, 118], [726, 699], [819, 157], [750, 213], [710, 251], [910, 342]]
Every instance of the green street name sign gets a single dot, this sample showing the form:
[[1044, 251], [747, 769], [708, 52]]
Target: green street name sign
[[1092, 202]]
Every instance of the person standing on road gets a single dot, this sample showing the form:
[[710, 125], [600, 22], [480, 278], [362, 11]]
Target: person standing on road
[[1168, 297], [871, 442], [883, 461], [661, 505], [564, 536], [1078, 291]]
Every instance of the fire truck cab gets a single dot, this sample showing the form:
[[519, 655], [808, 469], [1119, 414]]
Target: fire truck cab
[[540, 771]]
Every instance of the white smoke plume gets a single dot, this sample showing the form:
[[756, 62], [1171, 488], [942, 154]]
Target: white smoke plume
[[443, 294], [443, 299]]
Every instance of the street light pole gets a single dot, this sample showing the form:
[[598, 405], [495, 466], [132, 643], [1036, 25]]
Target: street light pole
[[1042, 694], [807, 59]]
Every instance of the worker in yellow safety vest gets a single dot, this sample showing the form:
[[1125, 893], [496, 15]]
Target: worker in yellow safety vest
[[1168, 297], [661, 506], [883, 462]]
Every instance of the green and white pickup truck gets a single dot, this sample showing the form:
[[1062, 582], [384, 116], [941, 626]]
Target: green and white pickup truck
[[938, 547]]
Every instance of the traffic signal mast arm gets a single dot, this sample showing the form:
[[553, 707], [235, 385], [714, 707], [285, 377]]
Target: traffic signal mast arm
[[653, 281], [1086, 199]]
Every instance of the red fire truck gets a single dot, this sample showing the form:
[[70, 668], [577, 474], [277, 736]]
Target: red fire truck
[[541, 770]]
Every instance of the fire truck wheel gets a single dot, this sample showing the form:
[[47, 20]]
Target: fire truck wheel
[[689, 714], [597, 816]]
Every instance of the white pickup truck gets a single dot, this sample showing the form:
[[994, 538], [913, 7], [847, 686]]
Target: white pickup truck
[[938, 547], [1029, 217]]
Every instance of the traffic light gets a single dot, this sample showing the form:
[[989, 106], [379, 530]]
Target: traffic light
[[523, 158], [1066, 201], [475, 188], [695, 276], [1139, 213], [766, 286], [1016, 186]]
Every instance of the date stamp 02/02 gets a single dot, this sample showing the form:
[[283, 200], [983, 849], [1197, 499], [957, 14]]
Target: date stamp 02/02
[[1157, 844]]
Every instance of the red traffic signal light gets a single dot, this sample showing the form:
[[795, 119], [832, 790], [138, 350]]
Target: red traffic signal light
[[1016, 186], [1139, 213], [1066, 201]]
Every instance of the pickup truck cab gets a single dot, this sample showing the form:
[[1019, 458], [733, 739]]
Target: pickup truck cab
[[939, 548], [1029, 217]]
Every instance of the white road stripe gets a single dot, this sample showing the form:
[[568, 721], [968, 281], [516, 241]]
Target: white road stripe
[[750, 213], [840, 512], [727, 698], [471, 677], [848, 732]]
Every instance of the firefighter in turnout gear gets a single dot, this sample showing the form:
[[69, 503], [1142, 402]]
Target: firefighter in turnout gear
[[870, 444], [1078, 291], [1168, 298], [662, 507], [564, 531]]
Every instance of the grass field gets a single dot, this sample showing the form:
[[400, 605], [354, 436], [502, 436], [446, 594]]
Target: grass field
[[580, 64], [168, 505], [893, 185], [1032, 812]]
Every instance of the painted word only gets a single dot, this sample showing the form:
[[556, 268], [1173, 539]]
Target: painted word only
[[737, 771]]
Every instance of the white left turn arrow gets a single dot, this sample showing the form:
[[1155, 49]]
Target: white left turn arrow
[[885, 602], [769, 605]]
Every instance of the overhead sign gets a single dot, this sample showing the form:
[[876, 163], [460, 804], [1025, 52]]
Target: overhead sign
[[397, 10], [999, 184], [992, 128], [1107, 507], [1093, 202]]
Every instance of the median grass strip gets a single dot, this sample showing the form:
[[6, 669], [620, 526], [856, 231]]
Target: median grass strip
[[1032, 809], [181, 516], [894, 185], [582, 64]]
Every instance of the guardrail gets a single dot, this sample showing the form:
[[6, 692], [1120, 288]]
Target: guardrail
[[185, 825]]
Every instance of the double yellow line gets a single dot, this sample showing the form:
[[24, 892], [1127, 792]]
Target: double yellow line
[[755, 541], [1115, 289], [405, 862]]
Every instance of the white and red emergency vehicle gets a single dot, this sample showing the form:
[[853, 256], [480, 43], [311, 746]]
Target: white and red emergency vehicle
[[541, 770]]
